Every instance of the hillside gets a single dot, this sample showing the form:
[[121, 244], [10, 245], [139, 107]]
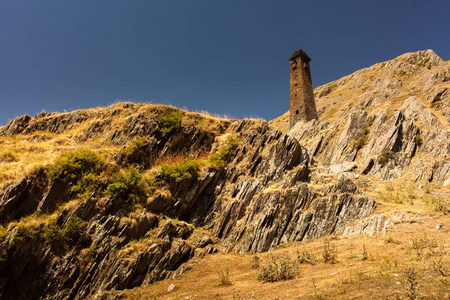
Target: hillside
[[124, 201], [390, 120]]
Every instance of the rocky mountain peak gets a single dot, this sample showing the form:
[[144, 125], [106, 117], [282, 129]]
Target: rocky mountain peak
[[387, 120], [426, 58]]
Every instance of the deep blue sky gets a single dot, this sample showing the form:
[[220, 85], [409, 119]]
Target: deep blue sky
[[227, 57]]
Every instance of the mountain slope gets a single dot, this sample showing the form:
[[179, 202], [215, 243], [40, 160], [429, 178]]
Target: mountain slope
[[129, 193], [390, 120]]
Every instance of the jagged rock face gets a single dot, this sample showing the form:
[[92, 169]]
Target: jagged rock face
[[390, 120], [260, 198]]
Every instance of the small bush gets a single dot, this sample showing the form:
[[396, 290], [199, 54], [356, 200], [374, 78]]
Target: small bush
[[224, 278], [361, 142], [365, 254], [185, 169], [441, 205], [419, 245], [255, 262], [30, 231], [418, 140], [217, 159], [276, 268], [328, 252], [137, 153], [411, 284], [72, 165], [73, 228], [127, 182], [385, 156], [306, 257], [89, 253], [54, 235], [169, 120]]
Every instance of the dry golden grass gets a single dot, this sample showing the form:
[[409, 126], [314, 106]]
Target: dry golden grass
[[21, 154]]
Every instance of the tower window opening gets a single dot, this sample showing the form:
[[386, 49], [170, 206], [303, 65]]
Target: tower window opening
[[294, 68], [296, 112]]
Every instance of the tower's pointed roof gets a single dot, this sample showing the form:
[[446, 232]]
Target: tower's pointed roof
[[300, 53]]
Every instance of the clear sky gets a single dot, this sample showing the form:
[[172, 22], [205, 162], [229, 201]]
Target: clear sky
[[226, 57]]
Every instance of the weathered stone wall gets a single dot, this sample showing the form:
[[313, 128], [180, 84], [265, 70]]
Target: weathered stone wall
[[302, 104]]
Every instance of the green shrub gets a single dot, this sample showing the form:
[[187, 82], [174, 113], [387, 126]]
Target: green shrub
[[217, 159], [30, 231], [87, 184], [276, 268], [73, 165], [169, 120], [385, 156], [74, 227], [185, 169], [418, 140], [89, 253], [127, 182], [137, 152], [54, 235]]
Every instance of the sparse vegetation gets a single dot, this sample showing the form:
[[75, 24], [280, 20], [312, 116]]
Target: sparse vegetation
[[217, 158], [224, 278], [420, 245], [363, 139], [328, 251], [3, 233], [126, 182], [137, 153], [73, 165], [418, 140], [411, 283], [185, 169], [306, 257], [385, 156], [170, 120], [276, 268], [441, 204]]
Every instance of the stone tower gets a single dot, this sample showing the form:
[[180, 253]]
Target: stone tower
[[302, 103]]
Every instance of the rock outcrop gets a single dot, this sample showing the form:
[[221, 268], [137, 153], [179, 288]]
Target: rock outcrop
[[390, 120], [253, 193]]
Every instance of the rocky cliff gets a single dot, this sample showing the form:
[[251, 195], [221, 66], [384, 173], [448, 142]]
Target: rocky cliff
[[391, 120], [123, 196]]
